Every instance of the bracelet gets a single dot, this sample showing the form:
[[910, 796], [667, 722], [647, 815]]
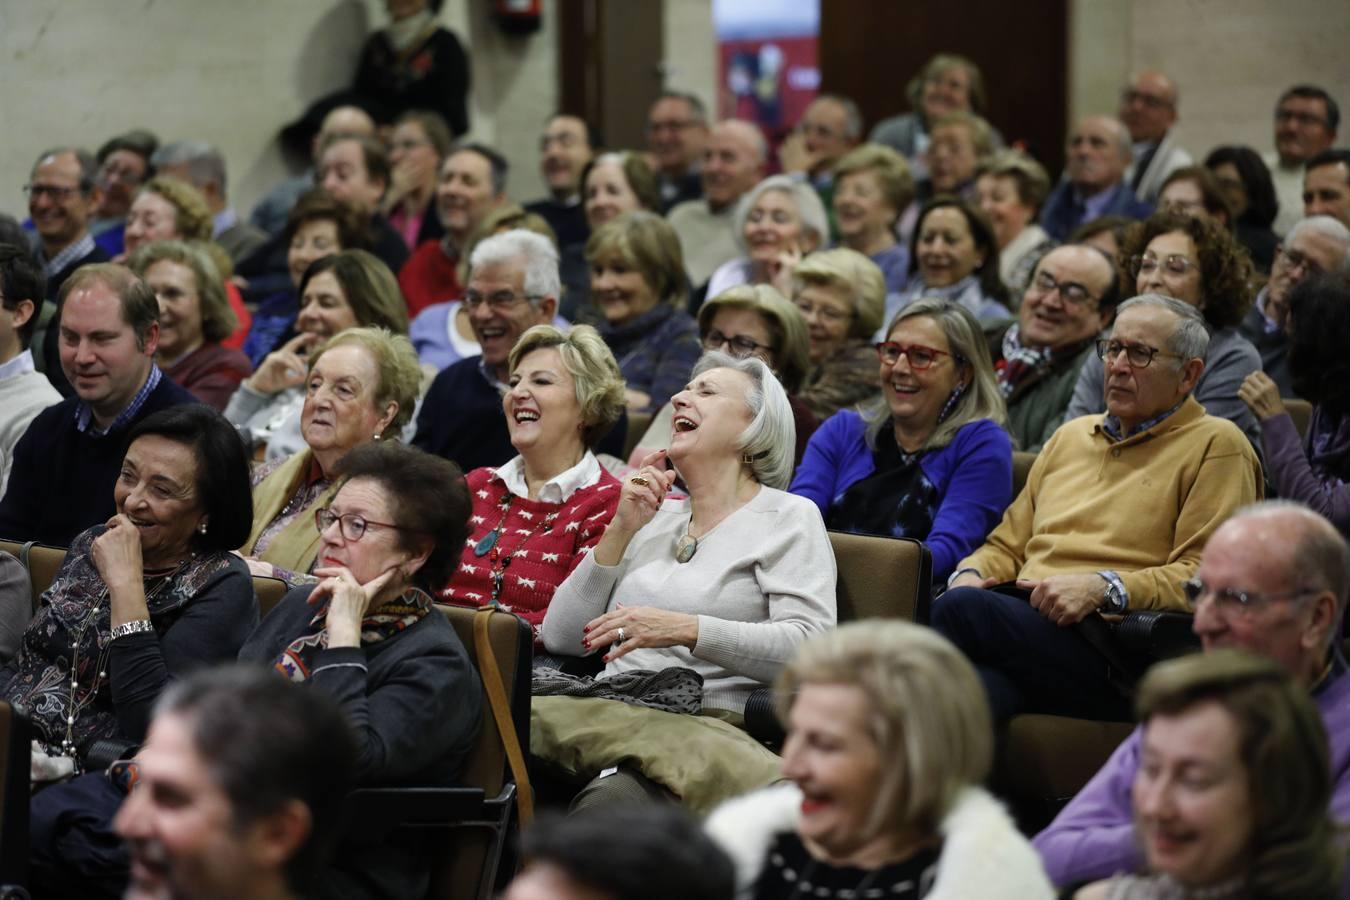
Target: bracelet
[[136, 627], [958, 573]]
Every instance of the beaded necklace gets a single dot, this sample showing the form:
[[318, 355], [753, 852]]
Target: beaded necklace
[[489, 546]]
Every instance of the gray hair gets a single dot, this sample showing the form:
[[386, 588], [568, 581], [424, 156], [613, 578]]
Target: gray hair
[[532, 252], [1327, 227], [853, 120], [88, 164], [203, 162], [804, 197], [1190, 339], [770, 440]]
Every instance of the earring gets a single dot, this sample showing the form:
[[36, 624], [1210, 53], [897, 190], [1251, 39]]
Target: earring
[[747, 459], [376, 436], [951, 403], [201, 527]]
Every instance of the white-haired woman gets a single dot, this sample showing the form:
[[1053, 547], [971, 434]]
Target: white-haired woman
[[726, 582], [888, 740], [776, 223]]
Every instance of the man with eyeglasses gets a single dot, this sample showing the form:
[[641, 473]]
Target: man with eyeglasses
[[1148, 107], [830, 127], [1306, 120], [63, 193], [566, 146], [677, 132], [1326, 186], [1115, 512], [1314, 246], [1069, 301], [1273, 580], [123, 166]]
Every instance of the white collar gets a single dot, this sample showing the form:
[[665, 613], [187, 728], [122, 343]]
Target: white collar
[[558, 488], [20, 364]]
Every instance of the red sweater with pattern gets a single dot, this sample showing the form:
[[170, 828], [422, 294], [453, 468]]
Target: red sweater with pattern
[[547, 551]]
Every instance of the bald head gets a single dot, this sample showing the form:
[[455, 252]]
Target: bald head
[[1148, 106], [1098, 154], [733, 162], [348, 121]]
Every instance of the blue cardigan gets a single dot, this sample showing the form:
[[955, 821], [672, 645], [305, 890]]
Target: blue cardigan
[[973, 475]]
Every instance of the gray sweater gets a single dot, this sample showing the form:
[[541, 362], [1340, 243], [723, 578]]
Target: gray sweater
[[761, 582]]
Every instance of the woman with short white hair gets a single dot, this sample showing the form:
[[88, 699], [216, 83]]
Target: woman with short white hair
[[778, 221]]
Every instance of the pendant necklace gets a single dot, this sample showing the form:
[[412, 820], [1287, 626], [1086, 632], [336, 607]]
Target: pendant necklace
[[686, 545], [499, 571], [489, 540]]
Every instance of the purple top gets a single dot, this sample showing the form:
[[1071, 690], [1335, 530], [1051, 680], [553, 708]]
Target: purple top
[[1312, 471]]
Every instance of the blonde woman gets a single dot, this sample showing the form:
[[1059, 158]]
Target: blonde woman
[[872, 189], [1010, 188], [842, 296]]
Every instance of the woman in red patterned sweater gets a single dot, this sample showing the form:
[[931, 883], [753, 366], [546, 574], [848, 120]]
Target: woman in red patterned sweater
[[533, 517]]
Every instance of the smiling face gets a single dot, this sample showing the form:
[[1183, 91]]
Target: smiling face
[[831, 755], [343, 173], [497, 330], [861, 208], [378, 550], [621, 292], [121, 173], [998, 197], [464, 194], [607, 193], [824, 126], [180, 308], [99, 352], [1046, 318], [947, 250], [157, 490], [710, 415], [952, 158], [542, 412], [828, 311], [916, 397], [731, 165], [60, 209], [773, 226], [1326, 192], [1191, 796], [313, 240], [1168, 251], [945, 91], [565, 149], [324, 309], [152, 218], [1137, 395], [340, 410]]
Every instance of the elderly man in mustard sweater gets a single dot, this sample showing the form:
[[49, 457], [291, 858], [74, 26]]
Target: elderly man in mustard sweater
[[1114, 516]]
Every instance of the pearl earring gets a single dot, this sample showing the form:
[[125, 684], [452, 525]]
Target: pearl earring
[[201, 527]]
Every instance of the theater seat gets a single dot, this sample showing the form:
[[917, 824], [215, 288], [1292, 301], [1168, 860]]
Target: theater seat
[[638, 423], [1046, 760], [269, 591], [882, 578], [1301, 412], [1021, 468]]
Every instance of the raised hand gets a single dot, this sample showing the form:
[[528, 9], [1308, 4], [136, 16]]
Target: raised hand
[[284, 368]]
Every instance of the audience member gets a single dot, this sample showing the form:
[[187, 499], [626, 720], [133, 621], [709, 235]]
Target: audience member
[[123, 166], [830, 127], [24, 392], [238, 789], [929, 459], [1094, 182], [534, 517], [1010, 189], [1106, 233], [472, 184], [726, 583], [888, 742], [960, 142], [1272, 581], [355, 170], [194, 317], [361, 387], [954, 255], [749, 320], [677, 132], [733, 163], [67, 462], [637, 281], [565, 148], [1326, 186], [368, 636], [841, 295], [1312, 470], [625, 853], [872, 188], [1168, 473], [947, 83], [1201, 264], [1306, 122], [272, 212], [1194, 191], [202, 166], [1245, 180], [777, 222], [418, 145], [611, 184], [1148, 110], [1068, 304], [1313, 246]]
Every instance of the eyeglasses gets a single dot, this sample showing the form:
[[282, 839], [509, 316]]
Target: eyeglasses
[[1299, 118], [1129, 95], [828, 313], [740, 345], [1071, 293], [353, 526], [409, 144], [1174, 263], [919, 356], [1296, 260], [1229, 601], [565, 140], [501, 301], [1138, 355], [672, 125], [55, 192]]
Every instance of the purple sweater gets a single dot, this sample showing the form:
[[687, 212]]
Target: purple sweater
[[973, 476], [1312, 471], [1093, 837]]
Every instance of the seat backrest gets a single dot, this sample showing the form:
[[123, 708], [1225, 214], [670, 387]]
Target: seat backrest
[[42, 562], [1021, 468], [15, 742], [269, 592], [512, 643], [638, 423], [1301, 412], [880, 577]]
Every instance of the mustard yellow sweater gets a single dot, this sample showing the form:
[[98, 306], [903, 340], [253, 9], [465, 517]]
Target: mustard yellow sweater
[[1143, 507]]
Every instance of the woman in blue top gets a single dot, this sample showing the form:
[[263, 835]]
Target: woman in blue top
[[929, 459]]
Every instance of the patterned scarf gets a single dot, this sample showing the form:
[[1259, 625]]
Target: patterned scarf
[[297, 660], [1018, 361]]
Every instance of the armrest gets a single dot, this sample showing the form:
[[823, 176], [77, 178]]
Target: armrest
[[103, 753], [1157, 634], [376, 812], [761, 719]]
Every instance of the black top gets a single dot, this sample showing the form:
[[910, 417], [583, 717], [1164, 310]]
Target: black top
[[791, 872], [896, 500], [568, 221]]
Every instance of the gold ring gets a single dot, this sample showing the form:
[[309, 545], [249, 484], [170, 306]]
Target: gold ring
[[639, 480]]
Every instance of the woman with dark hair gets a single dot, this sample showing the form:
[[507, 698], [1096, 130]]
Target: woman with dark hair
[[150, 595], [1313, 470], [954, 256], [369, 636], [1011, 188], [1197, 261], [419, 143], [1251, 195], [1194, 191]]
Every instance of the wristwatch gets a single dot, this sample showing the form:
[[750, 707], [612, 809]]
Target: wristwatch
[[1116, 600]]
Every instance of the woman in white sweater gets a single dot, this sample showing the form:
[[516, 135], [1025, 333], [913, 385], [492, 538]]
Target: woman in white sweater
[[726, 582], [888, 739]]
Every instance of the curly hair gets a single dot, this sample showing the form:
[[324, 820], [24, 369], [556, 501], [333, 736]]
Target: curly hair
[[1225, 266], [1319, 332], [192, 217]]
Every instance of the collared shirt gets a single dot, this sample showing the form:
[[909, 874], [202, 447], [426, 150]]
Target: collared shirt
[[1111, 425], [19, 365], [491, 377], [58, 263], [224, 220], [558, 488], [84, 415], [1269, 324], [1095, 206]]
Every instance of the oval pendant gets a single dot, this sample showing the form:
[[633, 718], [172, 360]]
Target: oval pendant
[[685, 548], [485, 543]]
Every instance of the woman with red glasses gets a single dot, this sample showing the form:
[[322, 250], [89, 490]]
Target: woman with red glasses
[[930, 458]]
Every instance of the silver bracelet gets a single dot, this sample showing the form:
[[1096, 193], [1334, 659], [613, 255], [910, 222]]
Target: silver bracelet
[[136, 627]]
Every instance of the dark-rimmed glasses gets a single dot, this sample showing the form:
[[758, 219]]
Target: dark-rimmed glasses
[[1072, 293], [499, 301], [739, 345], [1138, 355], [353, 526]]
